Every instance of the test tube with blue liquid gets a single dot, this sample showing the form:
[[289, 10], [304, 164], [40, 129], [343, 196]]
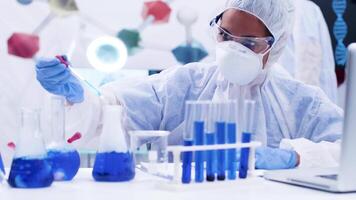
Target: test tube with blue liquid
[[188, 140], [199, 115], [231, 139], [30, 167], [220, 128], [210, 139], [248, 122]]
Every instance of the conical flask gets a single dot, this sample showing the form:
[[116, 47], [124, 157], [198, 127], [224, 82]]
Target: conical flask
[[63, 157], [30, 168], [113, 162]]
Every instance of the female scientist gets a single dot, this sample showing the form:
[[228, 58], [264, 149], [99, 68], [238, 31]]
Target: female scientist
[[296, 123]]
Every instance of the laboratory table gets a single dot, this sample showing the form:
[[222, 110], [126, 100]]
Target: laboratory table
[[149, 187]]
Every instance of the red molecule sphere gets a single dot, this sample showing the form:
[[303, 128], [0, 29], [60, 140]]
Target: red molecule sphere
[[158, 9], [23, 45]]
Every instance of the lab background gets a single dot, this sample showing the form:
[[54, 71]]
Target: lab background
[[19, 87]]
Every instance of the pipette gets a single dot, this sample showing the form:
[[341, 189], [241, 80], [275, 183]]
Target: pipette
[[64, 61]]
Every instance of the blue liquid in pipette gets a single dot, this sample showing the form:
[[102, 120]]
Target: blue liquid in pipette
[[187, 163], [231, 139], [30, 173], [65, 164], [2, 169], [221, 139], [246, 138], [210, 158], [114, 167], [199, 155]]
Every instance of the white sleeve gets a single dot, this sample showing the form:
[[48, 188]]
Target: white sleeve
[[328, 76], [314, 155], [86, 117]]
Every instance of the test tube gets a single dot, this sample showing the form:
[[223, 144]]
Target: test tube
[[188, 141], [248, 119], [199, 115], [210, 138], [220, 127], [231, 139]]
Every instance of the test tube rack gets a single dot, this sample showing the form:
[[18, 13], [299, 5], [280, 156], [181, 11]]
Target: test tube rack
[[175, 183]]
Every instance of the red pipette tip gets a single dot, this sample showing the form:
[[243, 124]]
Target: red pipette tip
[[74, 138], [63, 60], [11, 145]]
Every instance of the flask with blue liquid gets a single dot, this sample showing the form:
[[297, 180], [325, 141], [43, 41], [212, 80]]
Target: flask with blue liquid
[[114, 161], [30, 167], [63, 157]]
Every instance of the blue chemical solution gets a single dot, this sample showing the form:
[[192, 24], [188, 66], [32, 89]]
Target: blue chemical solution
[[30, 173], [199, 155], [231, 153], [187, 163], [210, 158], [114, 167], [246, 138], [2, 169], [65, 164], [221, 138]]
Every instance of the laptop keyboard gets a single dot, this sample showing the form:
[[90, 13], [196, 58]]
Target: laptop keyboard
[[331, 177]]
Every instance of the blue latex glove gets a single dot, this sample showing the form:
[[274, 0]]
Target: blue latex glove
[[272, 159], [57, 79]]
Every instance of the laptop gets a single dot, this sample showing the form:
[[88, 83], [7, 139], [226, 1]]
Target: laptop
[[343, 178]]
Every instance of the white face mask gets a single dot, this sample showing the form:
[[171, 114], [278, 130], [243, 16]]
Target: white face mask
[[237, 63]]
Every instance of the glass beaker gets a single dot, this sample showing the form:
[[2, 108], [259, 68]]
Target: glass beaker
[[63, 157], [113, 162], [30, 167], [150, 151]]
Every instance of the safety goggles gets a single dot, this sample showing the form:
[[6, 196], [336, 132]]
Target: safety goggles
[[258, 45]]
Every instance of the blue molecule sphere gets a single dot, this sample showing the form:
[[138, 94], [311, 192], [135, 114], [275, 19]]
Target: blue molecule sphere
[[24, 2], [107, 54]]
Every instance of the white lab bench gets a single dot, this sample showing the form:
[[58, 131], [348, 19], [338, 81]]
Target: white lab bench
[[145, 186]]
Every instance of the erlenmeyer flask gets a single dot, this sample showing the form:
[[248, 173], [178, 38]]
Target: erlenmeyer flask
[[114, 161], [64, 159], [30, 168]]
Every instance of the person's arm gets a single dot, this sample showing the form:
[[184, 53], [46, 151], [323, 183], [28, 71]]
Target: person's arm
[[320, 146], [328, 76]]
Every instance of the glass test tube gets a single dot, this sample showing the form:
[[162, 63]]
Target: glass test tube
[[210, 138], [188, 141], [220, 127], [199, 118], [231, 139], [248, 119]]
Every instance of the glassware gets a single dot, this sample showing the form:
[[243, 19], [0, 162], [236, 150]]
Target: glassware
[[150, 151], [113, 162], [30, 167], [64, 158]]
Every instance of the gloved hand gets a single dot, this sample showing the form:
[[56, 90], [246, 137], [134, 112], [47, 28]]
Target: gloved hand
[[57, 79], [272, 159]]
